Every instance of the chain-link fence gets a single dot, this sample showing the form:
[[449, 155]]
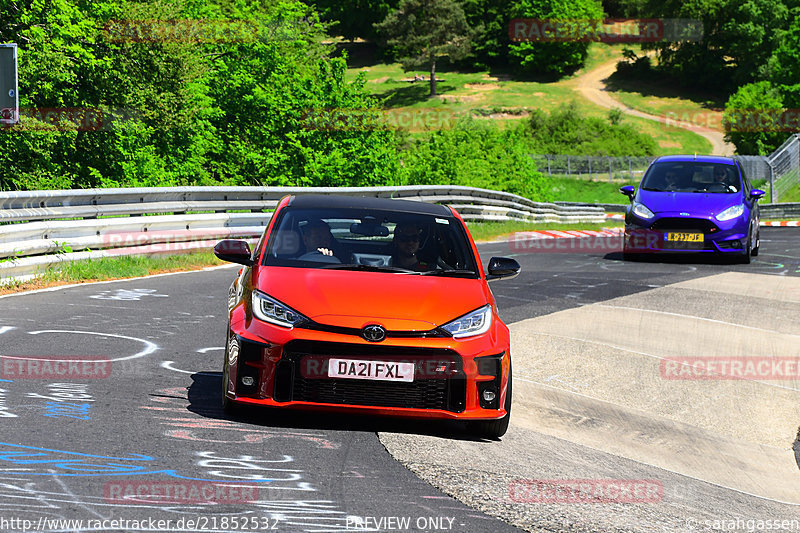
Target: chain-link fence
[[780, 170], [593, 167], [785, 165]]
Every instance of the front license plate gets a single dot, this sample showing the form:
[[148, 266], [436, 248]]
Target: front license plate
[[379, 370], [684, 237]]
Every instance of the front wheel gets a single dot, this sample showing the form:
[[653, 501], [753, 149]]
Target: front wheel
[[494, 429], [757, 245], [229, 406], [745, 257]]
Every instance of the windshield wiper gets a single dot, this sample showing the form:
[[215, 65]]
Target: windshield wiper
[[654, 189], [449, 272], [369, 268]]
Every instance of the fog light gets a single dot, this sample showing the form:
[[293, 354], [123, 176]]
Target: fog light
[[489, 395], [247, 380]]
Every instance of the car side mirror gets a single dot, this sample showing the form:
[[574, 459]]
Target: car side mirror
[[234, 251], [502, 267], [757, 194], [628, 190]]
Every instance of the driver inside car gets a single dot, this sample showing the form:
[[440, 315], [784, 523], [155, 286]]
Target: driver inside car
[[319, 242]]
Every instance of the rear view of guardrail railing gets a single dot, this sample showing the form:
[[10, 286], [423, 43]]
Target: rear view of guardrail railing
[[39, 229]]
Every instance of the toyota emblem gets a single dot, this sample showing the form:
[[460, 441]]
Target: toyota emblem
[[374, 333]]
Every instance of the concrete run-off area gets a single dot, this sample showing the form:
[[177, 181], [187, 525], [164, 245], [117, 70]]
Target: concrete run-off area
[[597, 397]]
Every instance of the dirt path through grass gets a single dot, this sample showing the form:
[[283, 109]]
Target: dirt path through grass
[[592, 85]]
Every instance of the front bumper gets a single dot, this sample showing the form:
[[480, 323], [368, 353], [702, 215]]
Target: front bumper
[[288, 368], [652, 236]]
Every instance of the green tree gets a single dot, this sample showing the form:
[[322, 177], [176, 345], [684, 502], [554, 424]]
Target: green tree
[[354, 18], [751, 119], [424, 31], [551, 58], [739, 39]]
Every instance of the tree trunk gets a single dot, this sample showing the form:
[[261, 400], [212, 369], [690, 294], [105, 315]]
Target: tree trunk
[[433, 79]]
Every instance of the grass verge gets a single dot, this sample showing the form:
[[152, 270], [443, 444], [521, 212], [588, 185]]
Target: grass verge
[[488, 231], [113, 268], [591, 192]]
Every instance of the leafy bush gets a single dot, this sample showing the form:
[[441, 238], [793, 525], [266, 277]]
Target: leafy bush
[[476, 154], [566, 131], [749, 118]]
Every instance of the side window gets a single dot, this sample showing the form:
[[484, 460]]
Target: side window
[[745, 181]]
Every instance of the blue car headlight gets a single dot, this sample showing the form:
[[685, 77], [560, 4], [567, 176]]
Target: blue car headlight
[[641, 211], [734, 211]]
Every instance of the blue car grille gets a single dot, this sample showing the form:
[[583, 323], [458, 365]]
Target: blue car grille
[[684, 224]]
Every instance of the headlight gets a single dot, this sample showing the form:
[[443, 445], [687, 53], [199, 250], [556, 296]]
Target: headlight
[[474, 323], [272, 311], [641, 211], [732, 212]]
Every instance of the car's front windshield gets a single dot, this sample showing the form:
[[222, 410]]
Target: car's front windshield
[[371, 240], [692, 177]]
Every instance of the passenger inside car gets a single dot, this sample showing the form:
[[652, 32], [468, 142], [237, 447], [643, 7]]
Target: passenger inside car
[[406, 246]]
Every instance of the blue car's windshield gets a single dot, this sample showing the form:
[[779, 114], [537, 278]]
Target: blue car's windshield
[[692, 177]]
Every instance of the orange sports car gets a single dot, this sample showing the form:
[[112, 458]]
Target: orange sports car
[[368, 305]]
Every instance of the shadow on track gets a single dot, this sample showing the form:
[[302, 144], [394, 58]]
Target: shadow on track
[[205, 399]]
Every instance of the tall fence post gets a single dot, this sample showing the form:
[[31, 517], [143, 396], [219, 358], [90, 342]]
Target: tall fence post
[[772, 198], [590, 167], [548, 165], [630, 168], [569, 168], [610, 177]]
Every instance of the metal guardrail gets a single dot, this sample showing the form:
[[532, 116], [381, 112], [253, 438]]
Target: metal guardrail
[[788, 210], [39, 229]]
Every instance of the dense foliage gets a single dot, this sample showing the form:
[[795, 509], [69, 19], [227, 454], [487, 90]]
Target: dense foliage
[[421, 33], [567, 132], [189, 111]]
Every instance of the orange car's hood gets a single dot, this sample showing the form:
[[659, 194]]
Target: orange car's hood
[[400, 302]]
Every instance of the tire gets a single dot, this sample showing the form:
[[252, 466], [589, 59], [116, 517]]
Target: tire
[[494, 429], [754, 253], [229, 406], [745, 257]]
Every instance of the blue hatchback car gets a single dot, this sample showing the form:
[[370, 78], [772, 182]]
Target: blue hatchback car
[[699, 204]]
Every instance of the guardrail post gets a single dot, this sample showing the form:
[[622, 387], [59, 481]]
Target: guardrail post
[[772, 198]]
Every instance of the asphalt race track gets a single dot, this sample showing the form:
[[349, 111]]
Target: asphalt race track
[[146, 441]]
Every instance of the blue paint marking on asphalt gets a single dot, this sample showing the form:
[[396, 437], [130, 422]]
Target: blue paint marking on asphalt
[[6, 381], [75, 464]]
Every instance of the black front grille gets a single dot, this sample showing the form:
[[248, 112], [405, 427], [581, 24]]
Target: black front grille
[[684, 224], [422, 394], [441, 385]]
